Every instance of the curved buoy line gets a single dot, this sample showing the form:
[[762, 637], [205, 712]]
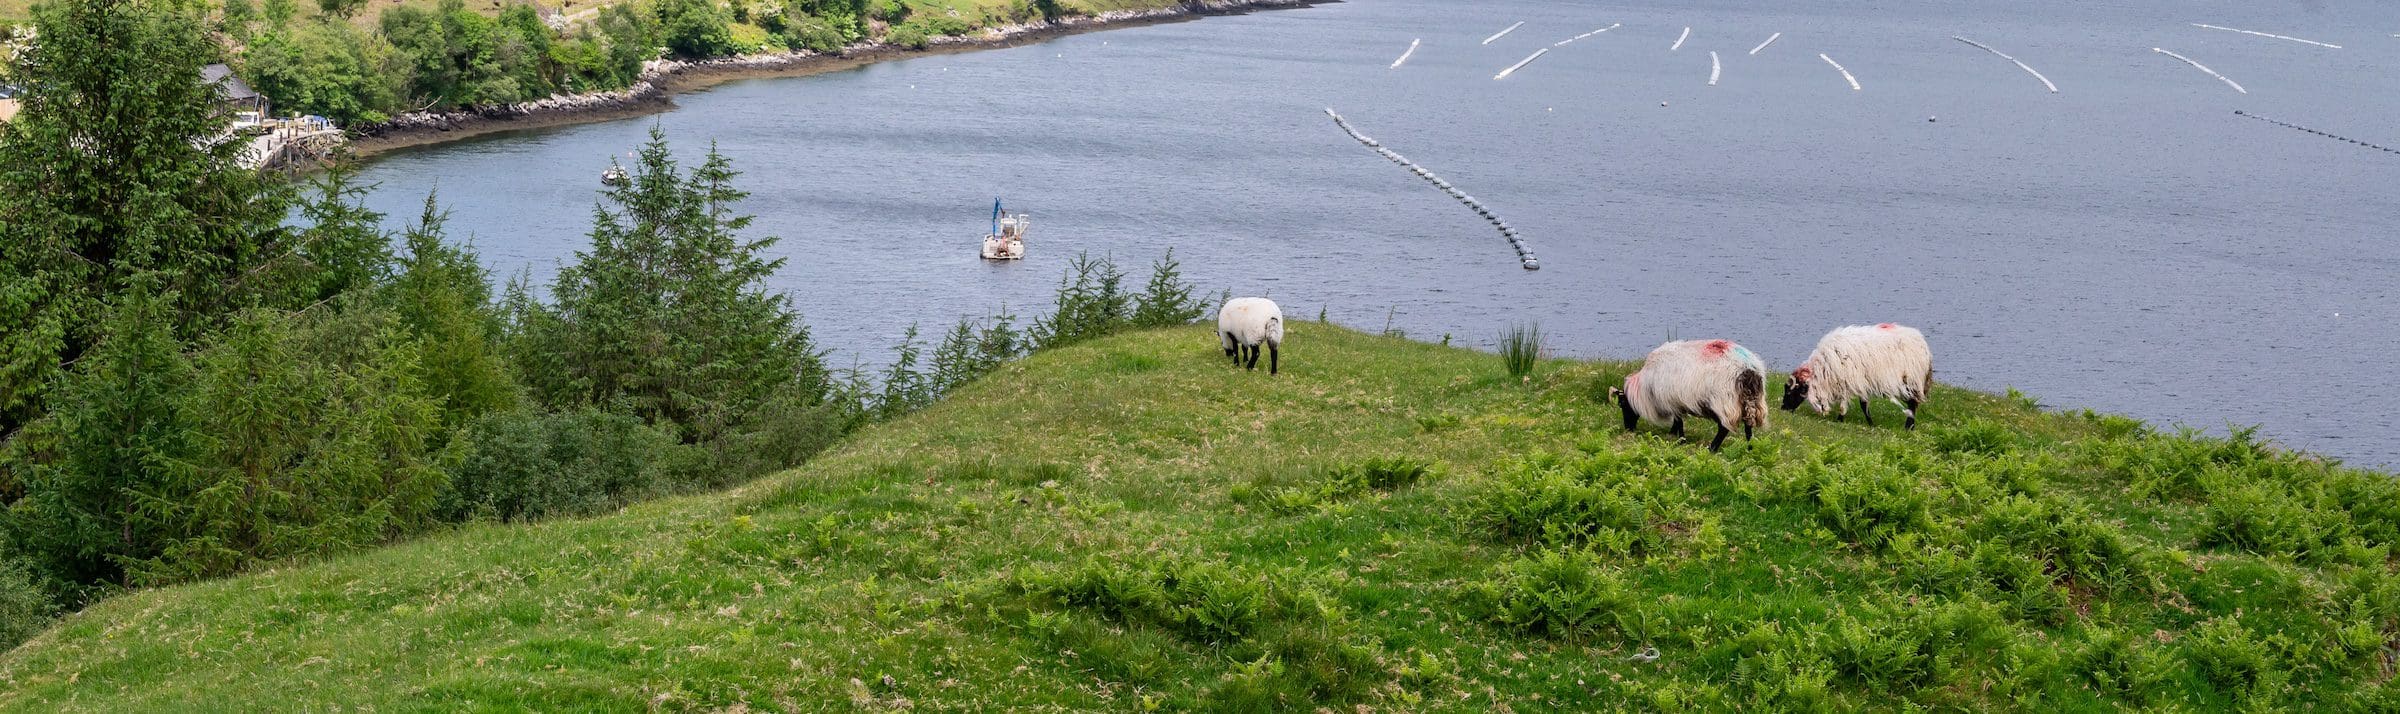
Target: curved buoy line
[[2279, 37], [1503, 33], [1837, 66], [2020, 63], [1412, 49], [1687, 34], [1563, 43], [1524, 254], [1763, 45], [1512, 69], [1714, 68], [2204, 68], [2289, 125]]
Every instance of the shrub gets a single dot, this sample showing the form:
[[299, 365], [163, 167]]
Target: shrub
[[1615, 501], [1520, 347], [2229, 657], [906, 35], [1867, 501], [1090, 302], [1906, 648], [696, 29], [1167, 299], [1340, 482], [525, 466], [1297, 642], [1563, 593], [25, 605], [1976, 436], [814, 36]]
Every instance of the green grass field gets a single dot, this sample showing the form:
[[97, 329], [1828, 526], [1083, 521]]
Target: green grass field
[[1131, 524]]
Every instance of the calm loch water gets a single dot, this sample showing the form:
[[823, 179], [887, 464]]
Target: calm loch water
[[2128, 244]]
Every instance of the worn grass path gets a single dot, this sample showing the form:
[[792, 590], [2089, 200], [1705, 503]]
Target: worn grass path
[[1131, 524]]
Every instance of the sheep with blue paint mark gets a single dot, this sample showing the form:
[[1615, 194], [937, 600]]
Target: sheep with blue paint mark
[[1862, 362], [1713, 379], [1245, 324]]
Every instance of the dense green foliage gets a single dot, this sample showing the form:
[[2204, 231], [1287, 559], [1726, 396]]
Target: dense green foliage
[[1126, 523], [448, 55], [209, 368]]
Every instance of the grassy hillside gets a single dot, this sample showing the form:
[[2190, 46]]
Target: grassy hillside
[[1130, 523]]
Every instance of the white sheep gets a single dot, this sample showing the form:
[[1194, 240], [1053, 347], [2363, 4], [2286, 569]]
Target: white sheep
[[1714, 379], [1245, 323], [1863, 361]]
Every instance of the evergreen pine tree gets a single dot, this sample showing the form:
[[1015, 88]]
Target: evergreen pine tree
[[118, 166], [668, 311], [1166, 300]]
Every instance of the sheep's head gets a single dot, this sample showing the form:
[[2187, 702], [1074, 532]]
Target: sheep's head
[[1624, 403], [1795, 391]]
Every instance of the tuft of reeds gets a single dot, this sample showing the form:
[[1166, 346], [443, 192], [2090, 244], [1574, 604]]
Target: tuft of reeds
[[1520, 347]]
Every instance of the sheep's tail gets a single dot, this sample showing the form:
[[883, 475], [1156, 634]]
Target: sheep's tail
[[1751, 386]]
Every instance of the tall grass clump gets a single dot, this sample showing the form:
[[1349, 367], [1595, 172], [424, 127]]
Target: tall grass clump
[[1520, 348]]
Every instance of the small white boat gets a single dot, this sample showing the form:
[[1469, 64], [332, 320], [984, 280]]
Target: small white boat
[[1007, 239]]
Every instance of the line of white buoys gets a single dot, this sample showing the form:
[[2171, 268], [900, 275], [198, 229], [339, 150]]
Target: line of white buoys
[[1714, 68], [1503, 33], [1563, 43], [1524, 254], [1837, 66], [2279, 37], [2204, 68], [1687, 34], [2020, 63], [1512, 69], [1412, 49], [1763, 45], [2289, 125]]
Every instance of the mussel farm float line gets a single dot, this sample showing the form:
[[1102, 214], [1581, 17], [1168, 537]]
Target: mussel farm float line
[[1524, 254], [2296, 127]]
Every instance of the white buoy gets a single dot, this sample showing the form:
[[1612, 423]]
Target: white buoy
[[1763, 45], [1412, 49], [1662, 104], [1512, 69], [1837, 66], [1687, 34], [1563, 43], [2279, 37], [1714, 68], [2020, 63], [1503, 33], [2204, 68]]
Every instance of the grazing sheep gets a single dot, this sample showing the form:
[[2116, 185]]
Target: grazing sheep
[[1245, 323], [1862, 361], [1715, 379]]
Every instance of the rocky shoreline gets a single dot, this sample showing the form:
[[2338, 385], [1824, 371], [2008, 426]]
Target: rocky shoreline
[[663, 79]]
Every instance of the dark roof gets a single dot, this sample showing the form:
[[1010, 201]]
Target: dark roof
[[231, 86]]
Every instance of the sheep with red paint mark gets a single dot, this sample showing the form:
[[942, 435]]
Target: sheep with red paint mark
[[1861, 362], [1712, 379], [1245, 324]]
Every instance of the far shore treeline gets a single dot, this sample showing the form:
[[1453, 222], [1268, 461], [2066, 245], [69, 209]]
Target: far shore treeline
[[329, 58], [203, 367]]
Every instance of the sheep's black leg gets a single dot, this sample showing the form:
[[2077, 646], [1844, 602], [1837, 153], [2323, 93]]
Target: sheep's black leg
[[1745, 432], [1910, 409], [1862, 411], [1232, 348], [1625, 404], [1252, 362], [1676, 427], [1274, 355], [1718, 444]]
